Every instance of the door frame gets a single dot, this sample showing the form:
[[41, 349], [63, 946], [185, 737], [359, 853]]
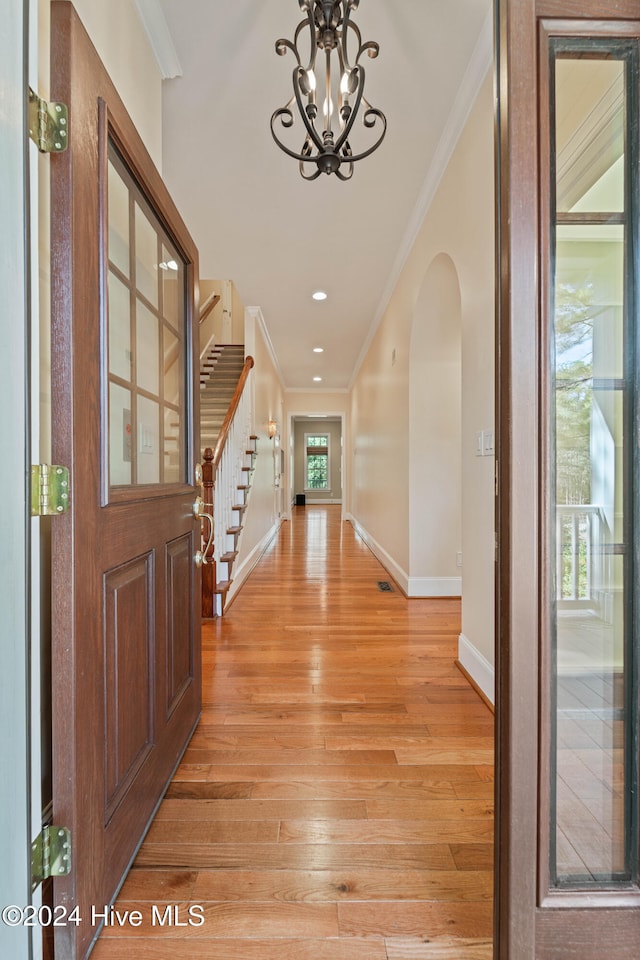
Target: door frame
[[289, 444], [15, 692], [516, 506], [526, 925]]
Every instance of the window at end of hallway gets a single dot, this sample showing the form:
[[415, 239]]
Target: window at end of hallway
[[316, 461]]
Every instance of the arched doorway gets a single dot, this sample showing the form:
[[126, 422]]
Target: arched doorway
[[435, 428]]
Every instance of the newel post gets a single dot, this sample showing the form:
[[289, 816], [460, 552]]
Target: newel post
[[209, 565]]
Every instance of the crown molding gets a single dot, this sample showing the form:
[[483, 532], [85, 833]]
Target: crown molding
[[323, 390], [477, 69], [258, 317], [154, 22]]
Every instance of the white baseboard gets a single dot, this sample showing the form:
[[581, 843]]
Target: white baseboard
[[241, 572], [398, 574], [414, 587], [435, 587], [326, 500], [478, 667]]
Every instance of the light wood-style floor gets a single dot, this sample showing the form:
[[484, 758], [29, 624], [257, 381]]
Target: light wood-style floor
[[336, 801]]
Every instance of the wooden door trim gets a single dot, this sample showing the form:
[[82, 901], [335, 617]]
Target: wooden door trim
[[517, 501], [529, 919], [574, 9]]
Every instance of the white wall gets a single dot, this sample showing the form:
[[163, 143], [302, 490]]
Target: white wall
[[435, 434], [379, 461], [459, 225]]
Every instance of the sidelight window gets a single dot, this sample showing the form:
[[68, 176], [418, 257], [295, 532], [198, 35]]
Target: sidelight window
[[592, 349]]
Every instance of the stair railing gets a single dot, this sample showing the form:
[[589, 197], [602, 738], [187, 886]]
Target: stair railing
[[222, 475], [208, 306]]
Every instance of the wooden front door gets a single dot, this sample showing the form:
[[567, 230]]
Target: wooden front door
[[126, 633], [567, 854]]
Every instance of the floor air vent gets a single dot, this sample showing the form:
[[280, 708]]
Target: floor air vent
[[385, 586]]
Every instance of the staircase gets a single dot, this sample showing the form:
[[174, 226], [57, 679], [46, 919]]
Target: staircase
[[228, 522], [219, 374], [228, 462]]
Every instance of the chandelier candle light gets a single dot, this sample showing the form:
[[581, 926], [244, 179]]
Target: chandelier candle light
[[329, 27]]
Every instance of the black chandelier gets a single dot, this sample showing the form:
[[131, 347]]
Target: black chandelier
[[329, 151]]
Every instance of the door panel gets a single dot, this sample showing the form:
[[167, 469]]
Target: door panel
[[129, 651], [567, 838], [126, 660], [180, 647]]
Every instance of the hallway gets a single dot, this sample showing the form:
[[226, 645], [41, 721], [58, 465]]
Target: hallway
[[336, 800]]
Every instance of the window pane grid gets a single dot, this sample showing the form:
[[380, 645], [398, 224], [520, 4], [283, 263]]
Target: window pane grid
[[317, 461], [146, 340]]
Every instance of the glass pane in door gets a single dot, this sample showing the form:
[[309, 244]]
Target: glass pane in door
[[146, 340], [591, 347]]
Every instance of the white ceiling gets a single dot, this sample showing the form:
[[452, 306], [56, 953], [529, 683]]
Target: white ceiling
[[256, 221]]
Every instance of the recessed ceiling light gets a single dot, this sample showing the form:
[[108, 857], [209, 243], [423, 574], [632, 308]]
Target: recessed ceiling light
[[319, 295], [318, 349], [317, 379]]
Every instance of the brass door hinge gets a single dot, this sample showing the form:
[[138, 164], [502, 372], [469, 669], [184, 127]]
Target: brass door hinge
[[49, 489], [50, 855], [48, 124]]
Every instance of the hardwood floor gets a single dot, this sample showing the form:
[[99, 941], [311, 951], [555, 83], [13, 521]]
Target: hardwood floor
[[336, 801]]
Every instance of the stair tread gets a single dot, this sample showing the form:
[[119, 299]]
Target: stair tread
[[220, 371]]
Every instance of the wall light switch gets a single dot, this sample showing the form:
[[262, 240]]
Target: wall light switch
[[479, 444], [488, 443]]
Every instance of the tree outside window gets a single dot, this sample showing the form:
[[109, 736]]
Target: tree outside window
[[316, 461]]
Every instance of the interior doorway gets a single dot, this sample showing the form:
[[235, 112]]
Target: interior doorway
[[316, 460]]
